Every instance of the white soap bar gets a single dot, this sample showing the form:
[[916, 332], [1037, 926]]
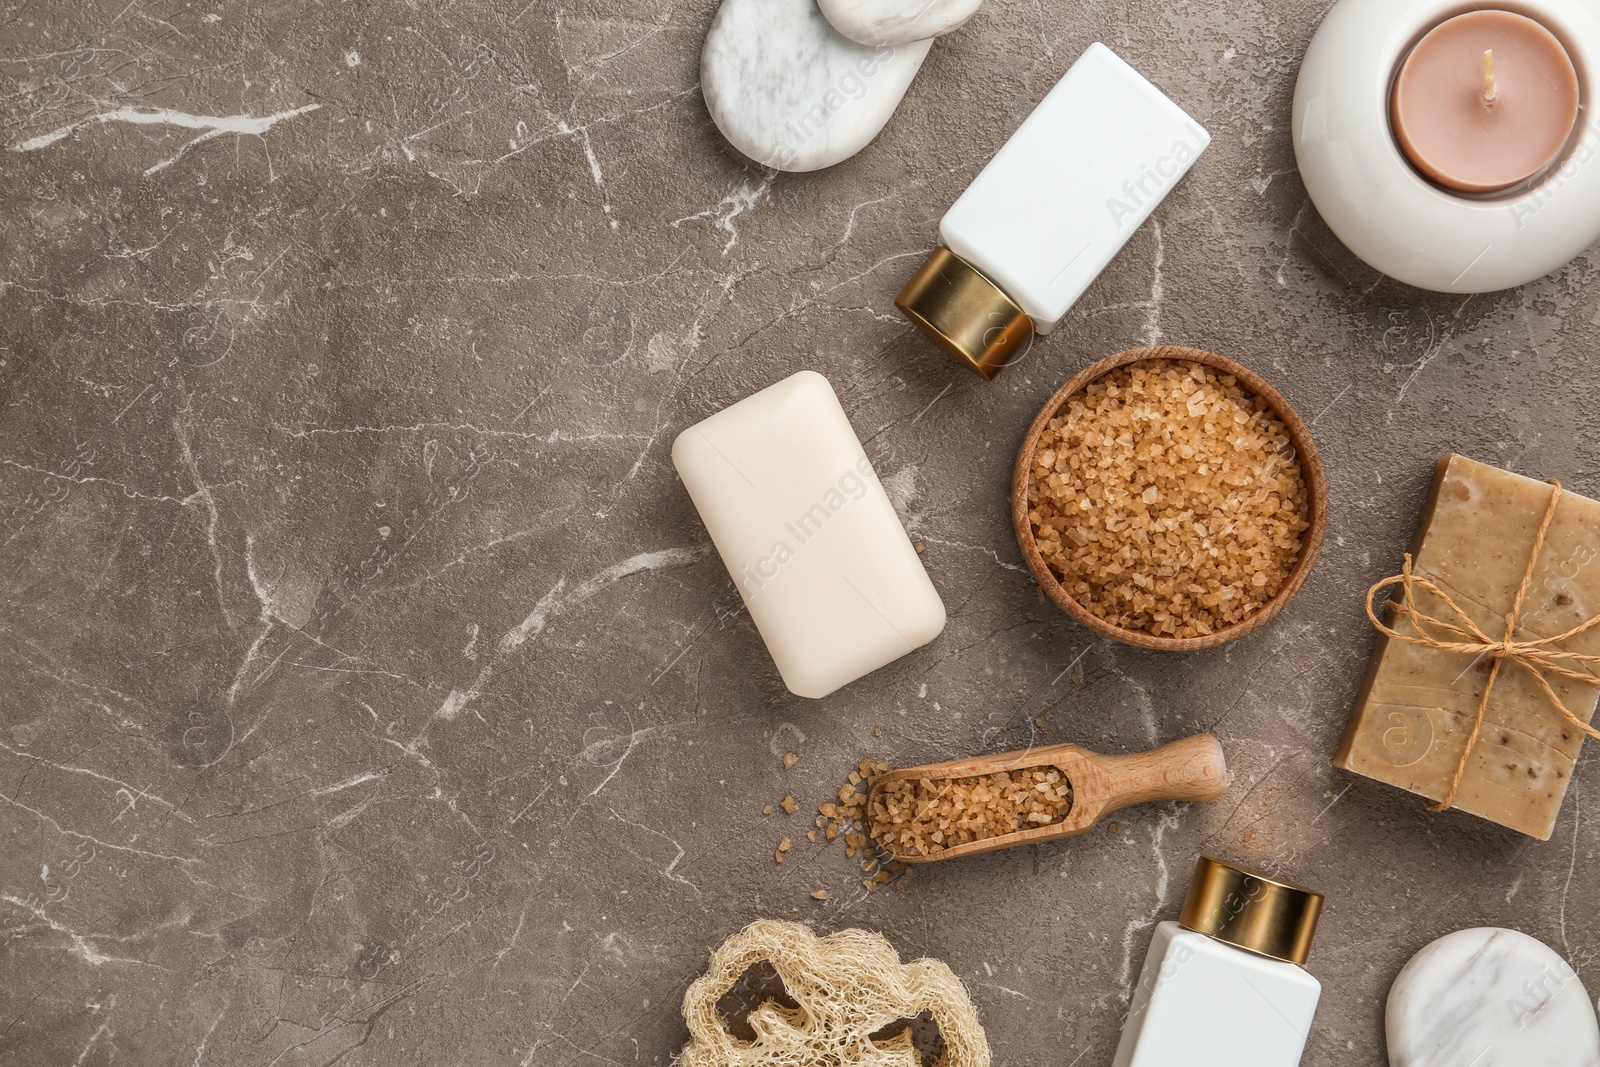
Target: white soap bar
[[1079, 176], [810, 538]]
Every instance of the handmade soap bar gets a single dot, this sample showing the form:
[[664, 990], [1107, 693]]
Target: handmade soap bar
[[1417, 708], [812, 542]]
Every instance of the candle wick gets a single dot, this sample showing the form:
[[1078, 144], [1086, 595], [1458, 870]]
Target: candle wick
[[1491, 91]]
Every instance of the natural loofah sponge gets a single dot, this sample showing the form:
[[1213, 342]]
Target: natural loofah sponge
[[847, 987]]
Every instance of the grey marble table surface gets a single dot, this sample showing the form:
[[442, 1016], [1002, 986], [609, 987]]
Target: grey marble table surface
[[372, 693]]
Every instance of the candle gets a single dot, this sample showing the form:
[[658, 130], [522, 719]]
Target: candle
[[1485, 101], [1416, 215]]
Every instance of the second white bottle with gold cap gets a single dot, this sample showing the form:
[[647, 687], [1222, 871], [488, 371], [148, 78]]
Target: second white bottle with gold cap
[[1050, 210], [1223, 986]]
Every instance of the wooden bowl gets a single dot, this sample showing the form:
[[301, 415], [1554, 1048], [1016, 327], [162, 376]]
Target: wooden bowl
[[1310, 468]]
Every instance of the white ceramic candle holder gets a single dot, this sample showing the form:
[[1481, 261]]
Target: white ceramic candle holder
[[1395, 219]]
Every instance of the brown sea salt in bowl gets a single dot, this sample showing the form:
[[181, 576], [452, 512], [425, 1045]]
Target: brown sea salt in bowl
[[1202, 499]]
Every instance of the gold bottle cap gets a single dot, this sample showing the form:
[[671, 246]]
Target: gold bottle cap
[[965, 313], [1251, 910]]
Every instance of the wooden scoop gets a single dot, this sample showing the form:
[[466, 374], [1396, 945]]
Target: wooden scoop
[[1190, 769]]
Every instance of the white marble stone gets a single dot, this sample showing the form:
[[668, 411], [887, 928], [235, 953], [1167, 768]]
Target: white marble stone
[[896, 22], [790, 91], [1489, 997]]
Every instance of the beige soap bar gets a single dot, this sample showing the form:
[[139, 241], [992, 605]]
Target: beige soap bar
[[808, 534], [1417, 706]]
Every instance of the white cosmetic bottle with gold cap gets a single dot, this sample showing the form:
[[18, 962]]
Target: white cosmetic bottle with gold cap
[[1223, 986], [1049, 211]]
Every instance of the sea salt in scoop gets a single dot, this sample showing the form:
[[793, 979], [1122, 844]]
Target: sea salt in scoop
[[908, 807]]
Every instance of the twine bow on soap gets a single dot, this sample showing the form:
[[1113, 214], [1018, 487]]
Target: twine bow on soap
[[1541, 657]]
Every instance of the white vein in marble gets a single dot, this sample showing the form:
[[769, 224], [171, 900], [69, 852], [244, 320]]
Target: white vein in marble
[[1489, 997], [790, 91], [896, 22]]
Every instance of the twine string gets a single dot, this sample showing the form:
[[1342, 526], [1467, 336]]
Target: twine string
[[1541, 657]]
